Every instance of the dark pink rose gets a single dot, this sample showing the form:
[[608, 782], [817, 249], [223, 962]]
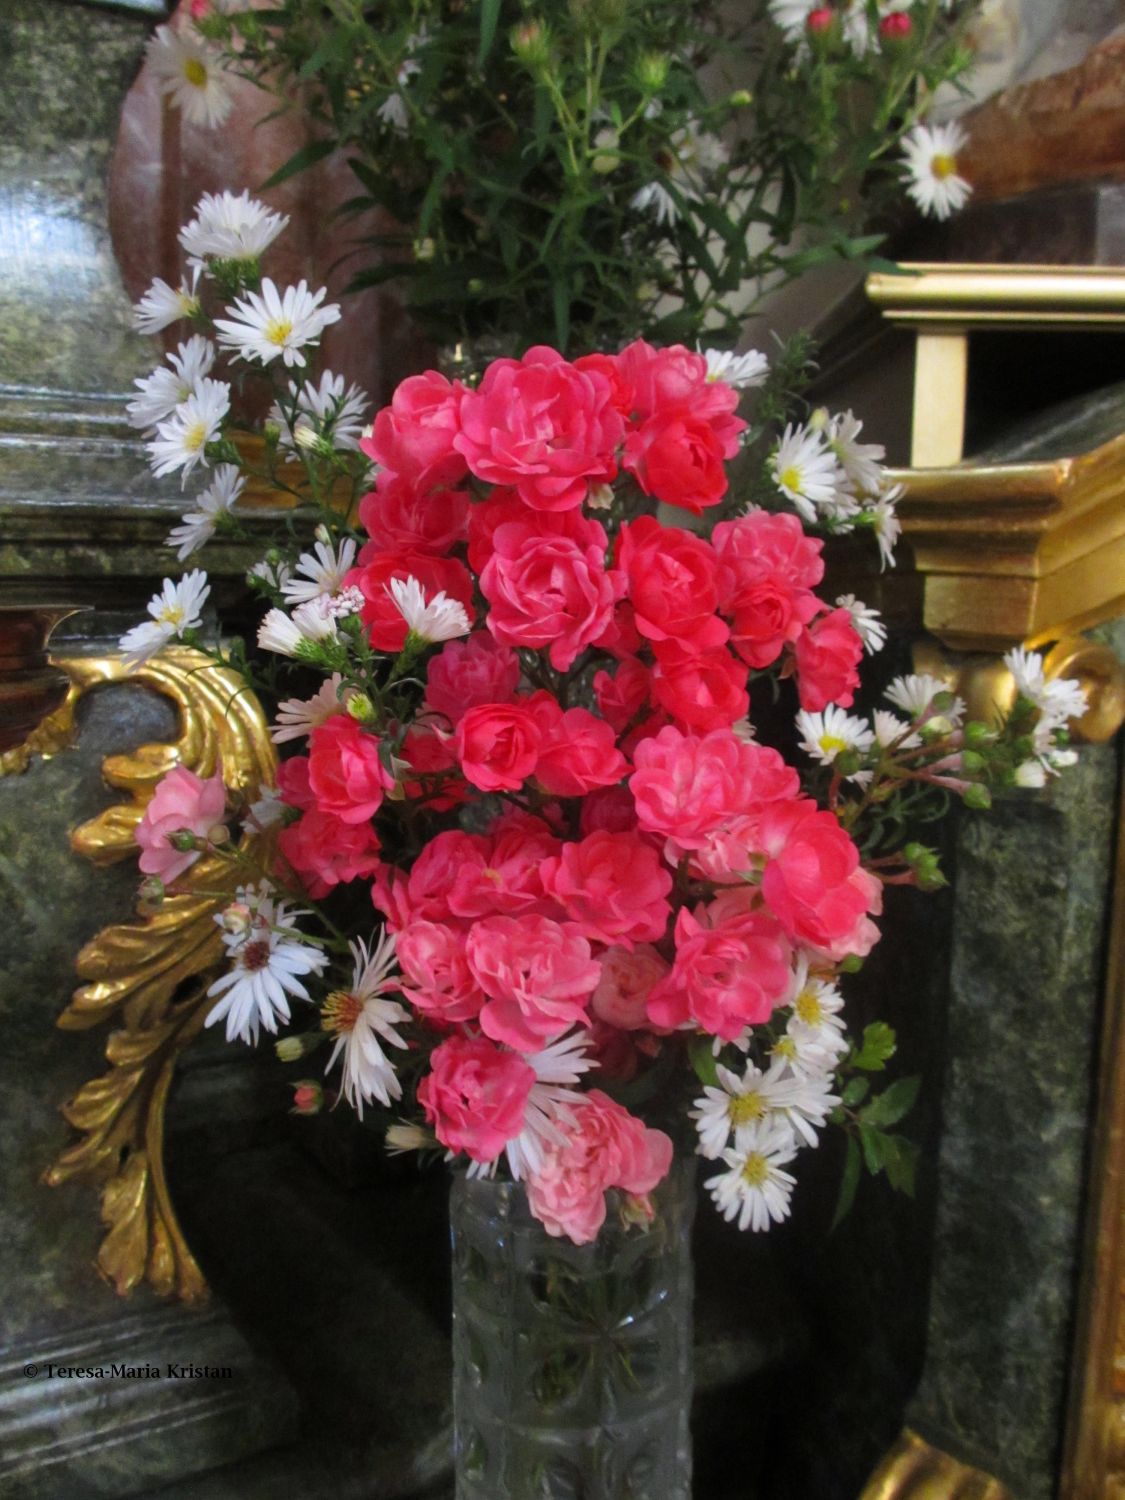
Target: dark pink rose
[[621, 698], [613, 887], [498, 745], [414, 436], [475, 1095], [386, 627], [293, 782], [436, 974], [325, 851], [538, 975], [813, 882], [578, 753], [347, 774], [670, 576], [828, 656], [466, 673], [400, 516], [679, 461], [725, 977], [701, 689]]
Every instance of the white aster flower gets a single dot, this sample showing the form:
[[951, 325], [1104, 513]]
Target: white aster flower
[[791, 16], [557, 1069], [856, 26], [296, 635], [1063, 699], [831, 733], [861, 462], [268, 810], [216, 500], [697, 152], [322, 572], [178, 607], [738, 1104], [738, 370], [915, 694], [891, 730], [191, 74], [755, 1189], [163, 304], [181, 439], [325, 410], [441, 619], [298, 717], [267, 956], [363, 1022], [394, 113], [170, 385], [276, 574], [868, 623], [814, 1038], [270, 323], [1027, 669], [230, 227], [885, 523], [930, 169], [805, 470], [655, 198]]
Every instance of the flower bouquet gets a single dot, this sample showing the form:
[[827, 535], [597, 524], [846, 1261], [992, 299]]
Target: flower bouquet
[[582, 829]]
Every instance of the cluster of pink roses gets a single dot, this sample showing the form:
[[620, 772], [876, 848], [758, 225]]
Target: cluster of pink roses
[[658, 870]]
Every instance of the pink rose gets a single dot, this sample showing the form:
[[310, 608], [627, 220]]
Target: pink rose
[[182, 800], [503, 507], [726, 977], [431, 756], [426, 892], [386, 628], [541, 426], [466, 673], [293, 782], [325, 851], [828, 656], [613, 887], [538, 975], [399, 515], [675, 379], [607, 807], [670, 575], [701, 689], [347, 775], [760, 545], [414, 436], [547, 590], [813, 882], [621, 697], [621, 997], [475, 1095], [438, 980], [498, 745], [605, 1148], [577, 753], [508, 878]]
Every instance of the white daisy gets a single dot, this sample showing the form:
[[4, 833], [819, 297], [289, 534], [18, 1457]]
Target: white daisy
[[861, 462], [298, 717], [791, 16], [930, 168], [162, 304], [831, 733], [266, 811], [216, 500], [441, 619], [324, 570], [738, 1104], [393, 112], [363, 1021], [805, 470], [270, 323], [697, 153], [884, 521], [915, 693], [181, 439], [191, 75], [557, 1069], [160, 393], [755, 1189], [738, 370], [868, 623], [655, 198], [276, 574], [890, 730], [227, 227], [267, 957], [856, 26], [1027, 669], [1063, 699], [326, 410], [178, 607], [297, 636]]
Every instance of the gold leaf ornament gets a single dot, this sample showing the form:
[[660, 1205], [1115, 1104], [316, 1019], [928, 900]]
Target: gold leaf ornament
[[151, 976]]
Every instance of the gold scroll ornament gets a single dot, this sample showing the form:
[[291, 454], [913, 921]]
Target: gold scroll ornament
[[150, 977]]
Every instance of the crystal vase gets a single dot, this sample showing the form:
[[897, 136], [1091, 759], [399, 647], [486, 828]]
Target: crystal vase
[[572, 1364]]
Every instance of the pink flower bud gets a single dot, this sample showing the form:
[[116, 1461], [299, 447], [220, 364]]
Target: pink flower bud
[[896, 27], [820, 20], [308, 1097]]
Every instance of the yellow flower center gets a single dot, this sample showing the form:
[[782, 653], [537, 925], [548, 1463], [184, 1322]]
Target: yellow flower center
[[171, 614], [756, 1170], [746, 1107], [943, 165], [195, 436], [833, 743], [195, 72], [790, 478], [341, 1011], [277, 331], [808, 1008], [786, 1047]]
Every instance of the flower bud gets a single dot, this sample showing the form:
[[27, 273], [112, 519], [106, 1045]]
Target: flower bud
[[308, 1097], [219, 834], [183, 840], [972, 762], [820, 419], [236, 917], [152, 890], [978, 735], [531, 43], [652, 71], [741, 98], [896, 27], [606, 158], [977, 796], [851, 964], [637, 1211], [424, 249], [820, 21], [272, 434], [361, 708], [289, 1048], [1031, 774], [405, 1137]]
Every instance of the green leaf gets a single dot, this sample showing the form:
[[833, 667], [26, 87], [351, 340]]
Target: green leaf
[[872, 1142], [900, 1157], [848, 1184], [489, 16], [892, 1104], [878, 1046], [702, 1057], [306, 157], [855, 1092]]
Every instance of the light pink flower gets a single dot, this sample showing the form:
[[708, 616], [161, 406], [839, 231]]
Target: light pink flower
[[613, 887], [606, 1147], [437, 974], [538, 975], [475, 1095], [627, 977], [182, 800]]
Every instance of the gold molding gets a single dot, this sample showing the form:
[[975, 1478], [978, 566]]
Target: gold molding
[[913, 1470], [967, 296], [151, 976]]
